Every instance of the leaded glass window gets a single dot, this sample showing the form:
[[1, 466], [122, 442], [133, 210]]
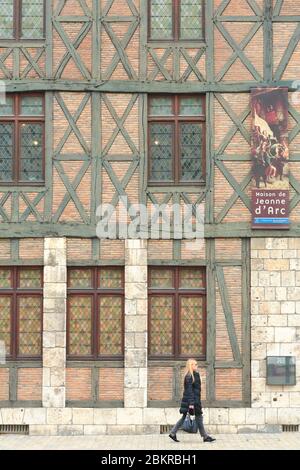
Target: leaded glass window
[[22, 139], [110, 278], [5, 278], [161, 142], [191, 19], [31, 152], [190, 142], [31, 105], [161, 106], [32, 19], [5, 322], [21, 311], [30, 321], [162, 278], [22, 19], [80, 278], [110, 325], [161, 19], [177, 312], [30, 278], [6, 151], [6, 19], [191, 106], [191, 330], [80, 325], [176, 139], [161, 325], [95, 312], [177, 20]]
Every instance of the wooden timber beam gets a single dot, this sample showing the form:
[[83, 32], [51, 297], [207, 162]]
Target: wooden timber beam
[[128, 86]]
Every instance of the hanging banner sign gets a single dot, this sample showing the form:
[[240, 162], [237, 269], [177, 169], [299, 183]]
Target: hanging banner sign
[[270, 157]]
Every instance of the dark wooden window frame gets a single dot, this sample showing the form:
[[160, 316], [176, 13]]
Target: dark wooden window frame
[[176, 293], [18, 25], [18, 119], [176, 120], [95, 293], [15, 292], [176, 20]]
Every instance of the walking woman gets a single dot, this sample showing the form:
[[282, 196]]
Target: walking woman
[[191, 401]]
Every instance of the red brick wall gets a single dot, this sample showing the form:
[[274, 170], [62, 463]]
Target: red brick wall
[[79, 249], [229, 384], [160, 383], [78, 384], [31, 248], [4, 384], [29, 384], [5, 252], [111, 384]]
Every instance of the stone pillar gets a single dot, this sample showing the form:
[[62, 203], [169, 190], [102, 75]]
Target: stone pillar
[[275, 323], [135, 374], [54, 323]]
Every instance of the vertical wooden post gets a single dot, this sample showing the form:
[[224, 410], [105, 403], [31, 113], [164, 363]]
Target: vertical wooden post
[[268, 41]]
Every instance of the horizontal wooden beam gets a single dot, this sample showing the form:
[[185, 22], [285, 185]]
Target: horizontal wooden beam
[[20, 364], [21, 262], [95, 404], [103, 262], [243, 230], [238, 19], [177, 262], [226, 230], [96, 364], [131, 86], [21, 404]]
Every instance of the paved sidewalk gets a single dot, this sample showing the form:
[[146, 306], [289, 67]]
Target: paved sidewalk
[[282, 441]]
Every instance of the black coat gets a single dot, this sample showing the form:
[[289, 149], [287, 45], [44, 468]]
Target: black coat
[[191, 394]]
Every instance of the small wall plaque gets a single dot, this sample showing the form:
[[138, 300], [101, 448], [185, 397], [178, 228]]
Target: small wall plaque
[[281, 370]]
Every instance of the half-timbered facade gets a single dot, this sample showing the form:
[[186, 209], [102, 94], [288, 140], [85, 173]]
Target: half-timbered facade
[[102, 99]]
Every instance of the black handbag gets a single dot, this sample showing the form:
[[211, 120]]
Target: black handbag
[[189, 424]]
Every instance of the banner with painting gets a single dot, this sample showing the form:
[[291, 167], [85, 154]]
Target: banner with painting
[[270, 157]]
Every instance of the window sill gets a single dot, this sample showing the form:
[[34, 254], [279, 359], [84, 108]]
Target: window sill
[[22, 42], [198, 43], [154, 187], [23, 187]]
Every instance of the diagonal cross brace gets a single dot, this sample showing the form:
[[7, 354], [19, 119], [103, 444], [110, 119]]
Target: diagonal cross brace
[[120, 124], [72, 120], [3, 57], [232, 131], [160, 63], [72, 49], [192, 65], [71, 191], [32, 62], [239, 50], [120, 47]]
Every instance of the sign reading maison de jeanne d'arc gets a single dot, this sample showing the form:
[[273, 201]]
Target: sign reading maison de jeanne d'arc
[[270, 157]]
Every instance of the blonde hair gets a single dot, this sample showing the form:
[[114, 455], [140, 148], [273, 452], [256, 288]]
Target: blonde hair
[[188, 368]]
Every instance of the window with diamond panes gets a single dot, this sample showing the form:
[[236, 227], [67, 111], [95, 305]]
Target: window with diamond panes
[[22, 126], [176, 20], [22, 19], [95, 313], [177, 312], [176, 139], [21, 310]]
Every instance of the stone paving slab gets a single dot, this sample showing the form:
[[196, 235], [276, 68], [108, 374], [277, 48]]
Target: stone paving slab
[[283, 441]]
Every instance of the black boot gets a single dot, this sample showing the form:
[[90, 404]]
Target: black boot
[[173, 436], [208, 439]]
